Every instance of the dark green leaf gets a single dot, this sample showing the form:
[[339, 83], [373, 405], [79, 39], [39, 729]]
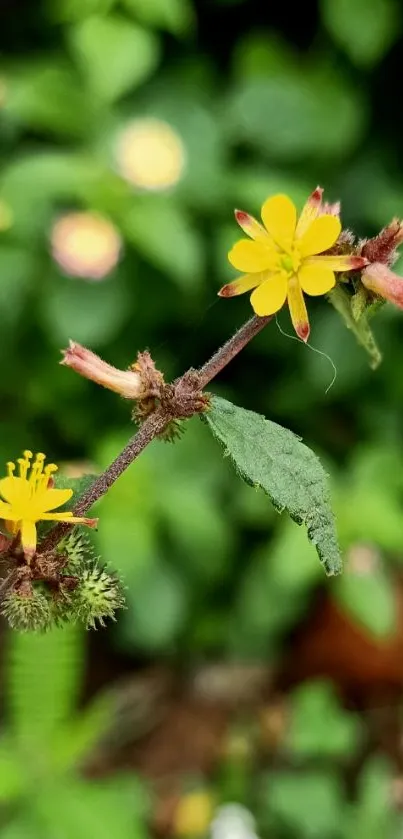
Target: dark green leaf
[[273, 458], [364, 32], [115, 54]]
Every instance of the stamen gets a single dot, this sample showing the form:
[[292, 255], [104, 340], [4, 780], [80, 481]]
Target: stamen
[[10, 468], [49, 470], [27, 454], [23, 464]]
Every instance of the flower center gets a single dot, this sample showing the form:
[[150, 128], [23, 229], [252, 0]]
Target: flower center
[[290, 262]]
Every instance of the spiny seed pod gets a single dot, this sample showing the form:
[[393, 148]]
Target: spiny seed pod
[[78, 551], [97, 597], [27, 611]]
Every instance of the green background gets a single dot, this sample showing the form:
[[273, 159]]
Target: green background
[[264, 100]]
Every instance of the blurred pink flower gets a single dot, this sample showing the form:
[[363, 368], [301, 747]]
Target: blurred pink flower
[[86, 245]]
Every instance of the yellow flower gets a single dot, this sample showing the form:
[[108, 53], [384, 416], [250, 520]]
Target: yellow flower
[[284, 259], [30, 496]]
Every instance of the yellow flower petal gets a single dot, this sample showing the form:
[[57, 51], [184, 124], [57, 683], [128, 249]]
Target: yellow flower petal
[[321, 235], [251, 256], [270, 295], [346, 262], [309, 211], [15, 490], [49, 499], [279, 218], [68, 517], [298, 312], [316, 279], [28, 537], [250, 226], [5, 510], [242, 284]]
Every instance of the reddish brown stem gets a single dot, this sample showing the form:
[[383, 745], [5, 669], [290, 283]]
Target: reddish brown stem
[[231, 348], [154, 425]]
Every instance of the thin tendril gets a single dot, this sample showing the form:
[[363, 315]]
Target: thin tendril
[[314, 349]]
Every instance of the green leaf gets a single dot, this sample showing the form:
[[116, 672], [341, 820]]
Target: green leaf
[[43, 678], [370, 599], [162, 233], [297, 114], [273, 458], [342, 302], [318, 726], [50, 98], [102, 809], [373, 815], [175, 16], [310, 804], [365, 34], [115, 55], [32, 183]]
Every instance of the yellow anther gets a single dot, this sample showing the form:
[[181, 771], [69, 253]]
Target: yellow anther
[[51, 468], [10, 468], [23, 464], [40, 457], [27, 454]]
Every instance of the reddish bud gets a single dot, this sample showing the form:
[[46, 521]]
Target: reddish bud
[[379, 279], [125, 382], [382, 247]]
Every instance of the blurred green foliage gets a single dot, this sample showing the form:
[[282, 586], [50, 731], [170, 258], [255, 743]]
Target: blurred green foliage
[[274, 102]]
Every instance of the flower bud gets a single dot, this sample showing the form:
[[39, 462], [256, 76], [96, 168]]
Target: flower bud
[[382, 248], [125, 382], [379, 279]]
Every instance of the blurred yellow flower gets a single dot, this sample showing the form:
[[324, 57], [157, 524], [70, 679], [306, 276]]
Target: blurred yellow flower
[[282, 261], [86, 245], [193, 814], [30, 496], [150, 154]]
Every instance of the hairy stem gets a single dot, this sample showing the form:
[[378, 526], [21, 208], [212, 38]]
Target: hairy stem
[[231, 348], [154, 425], [150, 429]]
